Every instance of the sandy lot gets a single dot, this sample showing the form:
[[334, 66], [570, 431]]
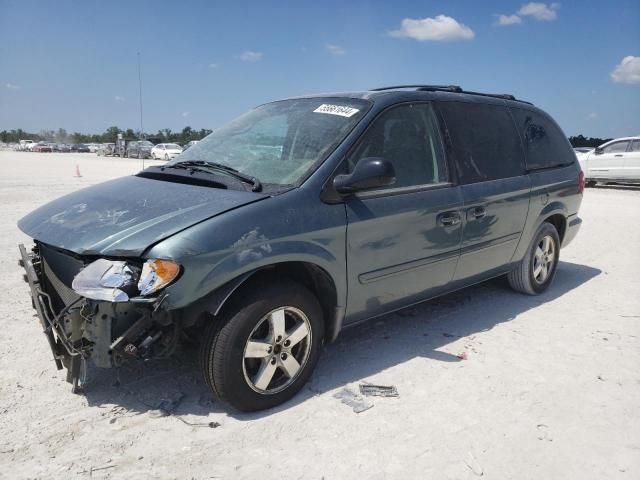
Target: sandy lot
[[549, 389]]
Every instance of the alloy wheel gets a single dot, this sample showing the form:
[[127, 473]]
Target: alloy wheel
[[277, 350], [543, 259]]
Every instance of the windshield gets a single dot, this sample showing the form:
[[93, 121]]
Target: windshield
[[280, 142]]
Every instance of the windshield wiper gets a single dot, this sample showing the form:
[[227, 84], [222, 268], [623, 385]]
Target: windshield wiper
[[204, 166]]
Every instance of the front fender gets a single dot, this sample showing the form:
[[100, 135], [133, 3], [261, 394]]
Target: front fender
[[204, 274]]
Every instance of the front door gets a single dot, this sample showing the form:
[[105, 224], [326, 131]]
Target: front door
[[610, 163], [402, 241]]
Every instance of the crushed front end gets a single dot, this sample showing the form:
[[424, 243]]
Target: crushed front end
[[106, 311]]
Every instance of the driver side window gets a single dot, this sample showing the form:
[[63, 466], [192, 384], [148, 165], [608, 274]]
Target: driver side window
[[616, 147], [407, 136]]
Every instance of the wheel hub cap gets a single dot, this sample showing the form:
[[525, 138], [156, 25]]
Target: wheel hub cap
[[543, 259], [277, 350]]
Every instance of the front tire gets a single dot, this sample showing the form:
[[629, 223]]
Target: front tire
[[264, 348], [538, 268]]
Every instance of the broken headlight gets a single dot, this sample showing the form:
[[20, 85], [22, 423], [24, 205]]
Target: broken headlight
[[105, 280], [117, 281], [157, 274]]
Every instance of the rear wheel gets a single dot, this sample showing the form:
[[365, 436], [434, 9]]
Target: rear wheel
[[537, 269], [265, 347]]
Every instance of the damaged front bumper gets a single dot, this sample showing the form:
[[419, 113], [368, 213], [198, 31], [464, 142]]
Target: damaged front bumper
[[78, 329]]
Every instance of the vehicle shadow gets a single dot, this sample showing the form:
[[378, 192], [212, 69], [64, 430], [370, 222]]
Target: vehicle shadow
[[175, 385]]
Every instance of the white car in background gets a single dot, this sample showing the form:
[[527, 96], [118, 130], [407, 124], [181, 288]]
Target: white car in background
[[582, 152], [616, 161], [165, 151]]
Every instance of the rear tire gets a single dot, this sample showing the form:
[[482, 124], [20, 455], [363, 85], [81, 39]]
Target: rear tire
[[264, 348], [538, 268], [590, 183]]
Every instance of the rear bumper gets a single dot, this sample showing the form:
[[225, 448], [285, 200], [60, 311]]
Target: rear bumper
[[574, 222]]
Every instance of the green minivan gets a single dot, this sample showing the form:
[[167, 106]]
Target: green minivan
[[298, 219]]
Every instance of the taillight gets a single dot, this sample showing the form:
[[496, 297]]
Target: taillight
[[581, 182]]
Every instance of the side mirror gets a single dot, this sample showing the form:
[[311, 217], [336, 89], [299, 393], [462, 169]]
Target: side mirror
[[597, 151], [370, 172]]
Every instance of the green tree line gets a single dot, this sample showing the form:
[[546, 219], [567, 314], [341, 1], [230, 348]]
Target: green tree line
[[582, 141], [165, 135], [110, 135]]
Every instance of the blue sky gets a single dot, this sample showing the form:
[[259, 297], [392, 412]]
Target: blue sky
[[73, 64]]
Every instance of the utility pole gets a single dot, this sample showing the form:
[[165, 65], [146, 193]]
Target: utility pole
[[140, 87]]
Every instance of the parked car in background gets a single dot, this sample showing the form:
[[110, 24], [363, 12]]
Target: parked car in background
[[190, 144], [300, 218], [166, 151], [105, 149], [93, 147], [41, 147], [139, 149], [79, 148], [25, 145], [61, 147], [617, 161], [581, 152]]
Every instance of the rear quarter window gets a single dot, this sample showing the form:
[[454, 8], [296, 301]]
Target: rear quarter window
[[484, 140], [545, 144]]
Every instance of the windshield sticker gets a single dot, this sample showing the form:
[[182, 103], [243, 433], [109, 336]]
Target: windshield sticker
[[336, 110]]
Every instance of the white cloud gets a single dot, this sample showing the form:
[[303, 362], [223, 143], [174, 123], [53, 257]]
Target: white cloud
[[214, 65], [504, 20], [185, 114], [335, 49], [539, 11], [119, 98], [440, 28], [13, 86], [592, 116], [627, 71], [250, 56]]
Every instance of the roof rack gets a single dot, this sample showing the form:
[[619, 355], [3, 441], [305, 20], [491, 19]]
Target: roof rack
[[451, 88], [447, 88]]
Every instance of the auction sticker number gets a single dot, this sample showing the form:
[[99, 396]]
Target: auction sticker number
[[336, 110]]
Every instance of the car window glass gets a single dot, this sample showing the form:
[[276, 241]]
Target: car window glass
[[616, 147], [408, 137], [635, 146], [545, 144], [281, 143], [484, 140]]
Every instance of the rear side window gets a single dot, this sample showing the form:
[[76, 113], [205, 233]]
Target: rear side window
[[545, 144], [635, 146], [485, 142]]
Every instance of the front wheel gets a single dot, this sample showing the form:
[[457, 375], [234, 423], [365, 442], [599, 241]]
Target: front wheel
[[265, 347], [537, 269]]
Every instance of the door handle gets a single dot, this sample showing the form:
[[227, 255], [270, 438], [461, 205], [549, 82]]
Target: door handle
[[618, 155], [448, 219], [476, 213]]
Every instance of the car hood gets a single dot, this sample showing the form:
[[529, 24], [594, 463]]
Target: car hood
[[125, 216]]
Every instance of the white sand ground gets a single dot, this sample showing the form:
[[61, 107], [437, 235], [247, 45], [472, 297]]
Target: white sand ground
[[550, 388]]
